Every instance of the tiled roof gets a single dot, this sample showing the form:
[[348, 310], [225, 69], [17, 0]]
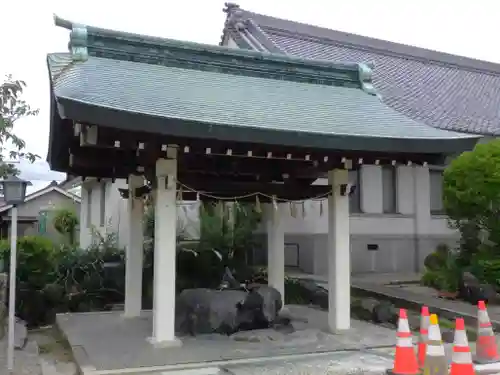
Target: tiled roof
[[316, 115], [442, 90]]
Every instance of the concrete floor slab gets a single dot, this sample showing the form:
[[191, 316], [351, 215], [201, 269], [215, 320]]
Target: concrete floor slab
[[106, 342]]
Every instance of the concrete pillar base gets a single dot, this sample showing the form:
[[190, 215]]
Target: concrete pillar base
[[175, 343]]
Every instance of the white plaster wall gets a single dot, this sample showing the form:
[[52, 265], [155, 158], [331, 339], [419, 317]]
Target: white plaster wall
[[373, 221], [115, 211]]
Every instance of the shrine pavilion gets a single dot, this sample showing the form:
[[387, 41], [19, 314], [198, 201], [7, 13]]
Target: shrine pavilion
[[193, 121]]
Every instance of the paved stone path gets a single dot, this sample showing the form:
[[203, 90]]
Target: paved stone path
[[378, 284], [446, 308], [338, 363]]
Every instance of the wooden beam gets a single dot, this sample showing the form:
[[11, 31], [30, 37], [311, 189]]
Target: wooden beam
[[153, 142], [115, 159], [238, 165]]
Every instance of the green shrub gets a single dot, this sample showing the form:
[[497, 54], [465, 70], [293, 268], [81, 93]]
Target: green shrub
[[486, 267], [65, 222], [93, 278], [440, 280], [442, 270], [52, 279], [36, 257], [35, 260], [295, 293], [437, 259]]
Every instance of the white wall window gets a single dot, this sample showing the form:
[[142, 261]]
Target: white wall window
[[389, 189], [436, 191], [102, 204], [355, 198], [88, 189]]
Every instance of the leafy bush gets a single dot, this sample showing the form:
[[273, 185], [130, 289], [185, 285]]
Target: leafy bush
[[486, 268], [442, 270], [228, 229], [35, 259], [225, 237], [471, 199], [437, 259], [52, 279], [65, 222], [93, 278]]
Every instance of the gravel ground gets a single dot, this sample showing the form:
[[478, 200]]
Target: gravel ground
[[25, 361], [54, 352], [46, 353]]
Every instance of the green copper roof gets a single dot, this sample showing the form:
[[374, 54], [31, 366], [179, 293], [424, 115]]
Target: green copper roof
[[230, 94]]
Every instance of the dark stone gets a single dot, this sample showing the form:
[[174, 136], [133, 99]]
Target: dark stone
[[364, 308], [309, 288], [272, 302], [370, 309], [488, 293], [468, 285], [250, 313], [320, 298], [385, 312], [448, 335], [204, 311], [472, 291], [413, 319], [314, 294]]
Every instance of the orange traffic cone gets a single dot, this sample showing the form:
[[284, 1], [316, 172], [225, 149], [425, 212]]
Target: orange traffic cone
[[424, 329], [461, 359], [486, 345], [405, 360], [435, 359]]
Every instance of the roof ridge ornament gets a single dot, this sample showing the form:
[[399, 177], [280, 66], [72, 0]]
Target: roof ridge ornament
[[230, 7], [365, 72], [236, 19], [78, 38]]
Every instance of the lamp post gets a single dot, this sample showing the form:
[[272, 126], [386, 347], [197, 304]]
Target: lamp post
[[14, 192]]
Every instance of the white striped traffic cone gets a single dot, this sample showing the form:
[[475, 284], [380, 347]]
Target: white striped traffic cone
[[424, 331], [435, 359], [461, 359], [486, 345], [405, 360]]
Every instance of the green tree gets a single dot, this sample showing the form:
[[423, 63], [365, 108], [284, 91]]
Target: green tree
[[12, 109], [471, 193], [65, 222], [228, 229]]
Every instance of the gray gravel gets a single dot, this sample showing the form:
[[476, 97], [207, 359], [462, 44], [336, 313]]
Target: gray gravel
[[25, 361]]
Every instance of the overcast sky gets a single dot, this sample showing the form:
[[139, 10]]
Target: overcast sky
[[463, 27]]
